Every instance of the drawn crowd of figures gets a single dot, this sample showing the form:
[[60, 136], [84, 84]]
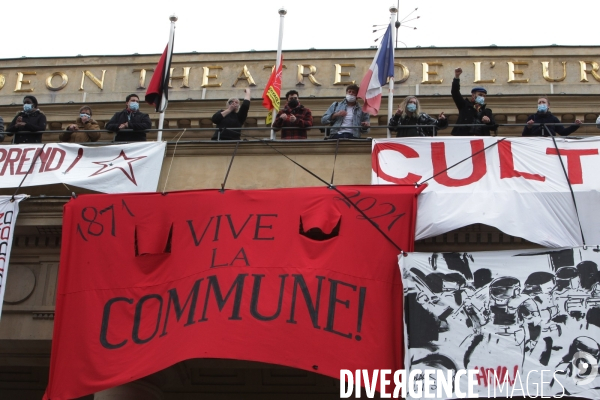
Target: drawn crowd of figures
[[506, 311]]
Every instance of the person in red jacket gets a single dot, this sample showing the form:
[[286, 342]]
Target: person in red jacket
[[294, 120]]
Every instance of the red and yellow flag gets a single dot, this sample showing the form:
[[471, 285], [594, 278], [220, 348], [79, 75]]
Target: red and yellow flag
[[272, 93]]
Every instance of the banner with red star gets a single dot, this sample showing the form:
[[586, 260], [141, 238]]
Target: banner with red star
[[122, 168]]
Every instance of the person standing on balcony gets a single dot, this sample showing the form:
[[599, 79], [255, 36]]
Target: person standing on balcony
[[28, 125], [75, 133], [294, 116], [230, 120], [409, 113], [544, 116], [130, 125], [472, 111], [346, 117]]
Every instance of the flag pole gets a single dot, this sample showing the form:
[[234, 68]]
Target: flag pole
[[282, 11], [161, 116], [393, 11]]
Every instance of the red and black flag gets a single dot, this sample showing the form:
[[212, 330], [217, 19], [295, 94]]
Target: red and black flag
[[158, 89]]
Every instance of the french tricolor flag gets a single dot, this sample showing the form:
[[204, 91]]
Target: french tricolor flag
[[379, 73]]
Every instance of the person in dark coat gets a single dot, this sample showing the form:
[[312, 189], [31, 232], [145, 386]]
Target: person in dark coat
[[472, 111], [1, 129], [409, 113], [130, 125], [28, 125], [544, 116], [232, 118]]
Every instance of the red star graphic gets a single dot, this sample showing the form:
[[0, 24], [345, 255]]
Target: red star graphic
[[108, 165]]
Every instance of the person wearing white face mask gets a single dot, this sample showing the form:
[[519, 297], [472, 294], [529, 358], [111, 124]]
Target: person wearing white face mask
[[78, 132], [28, 124], [544, 116], [130, 125], [472, 111], [347, 119]]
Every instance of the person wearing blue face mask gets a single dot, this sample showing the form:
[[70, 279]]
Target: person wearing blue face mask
[[28, 124], [130, 125], [409, 113], [543, 117], [472, 111]]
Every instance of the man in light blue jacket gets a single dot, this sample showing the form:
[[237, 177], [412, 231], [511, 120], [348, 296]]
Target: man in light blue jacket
[[346, 117]]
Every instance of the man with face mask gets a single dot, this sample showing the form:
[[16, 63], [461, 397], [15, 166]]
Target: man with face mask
[[77, 132], [471, 111], [130, 125], [346, 117], [544, 116], [294, 116], [28, 124]]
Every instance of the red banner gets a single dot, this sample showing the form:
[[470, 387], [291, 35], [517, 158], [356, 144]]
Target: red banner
[[296, 277]]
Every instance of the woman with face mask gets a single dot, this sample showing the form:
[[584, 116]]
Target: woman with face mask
[[82, 130], [28, 124], [543, 117], [232, 118], [410, 121]]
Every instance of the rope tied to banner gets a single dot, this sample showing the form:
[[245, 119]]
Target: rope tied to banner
[[172, 158], [237, 145], [461, 161], [331, 186], [562, 164], [37, 155], [337, 146]]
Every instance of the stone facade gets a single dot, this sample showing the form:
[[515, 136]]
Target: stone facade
[[201, 84]]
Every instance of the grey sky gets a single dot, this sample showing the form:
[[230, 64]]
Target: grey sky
[[41, 28]]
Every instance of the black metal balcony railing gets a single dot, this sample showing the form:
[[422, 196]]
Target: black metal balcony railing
[[264, 133]]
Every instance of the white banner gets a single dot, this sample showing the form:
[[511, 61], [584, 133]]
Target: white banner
[[8, 220], [123, 168], [516, 184], [527, 321]]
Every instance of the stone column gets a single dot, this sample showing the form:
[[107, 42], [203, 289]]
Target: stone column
[[131, 391]]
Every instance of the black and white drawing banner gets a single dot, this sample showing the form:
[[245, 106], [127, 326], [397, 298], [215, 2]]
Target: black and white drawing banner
[[122, 168], [9, 209], [528, 321], [517, 185]]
